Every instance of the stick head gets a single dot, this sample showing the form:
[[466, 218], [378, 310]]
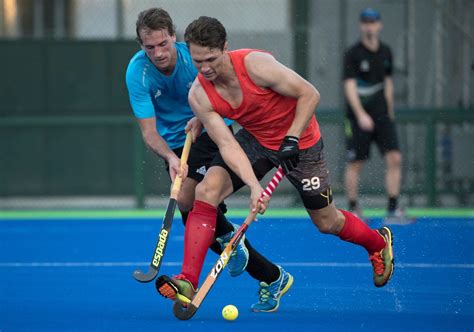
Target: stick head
[[183, 313], [145, 277]]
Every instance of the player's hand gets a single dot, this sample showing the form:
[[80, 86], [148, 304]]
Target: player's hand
[[195, 126], [258, 203], [176, 169], [289, 153], [365, 122]]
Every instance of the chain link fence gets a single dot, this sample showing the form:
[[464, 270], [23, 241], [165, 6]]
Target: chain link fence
[[433, 47]]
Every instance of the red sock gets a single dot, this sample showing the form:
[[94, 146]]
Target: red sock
[[356, 231], [198, 236]]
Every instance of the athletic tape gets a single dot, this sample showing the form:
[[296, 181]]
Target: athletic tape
[[273, 183]]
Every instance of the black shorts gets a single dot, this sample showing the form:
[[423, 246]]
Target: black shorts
[[310, 177], [201, 154], [358, 141]]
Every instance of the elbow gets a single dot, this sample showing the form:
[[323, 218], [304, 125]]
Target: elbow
[[315, 98]]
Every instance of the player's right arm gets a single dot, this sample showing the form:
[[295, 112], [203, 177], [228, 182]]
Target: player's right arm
[[144, 110], [363, 119], [229, 148], [158, 145]]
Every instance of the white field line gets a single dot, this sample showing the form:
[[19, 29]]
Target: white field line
[[292, 264]]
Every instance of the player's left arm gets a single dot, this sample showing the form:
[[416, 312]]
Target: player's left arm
[[389, 92], [267, 72]]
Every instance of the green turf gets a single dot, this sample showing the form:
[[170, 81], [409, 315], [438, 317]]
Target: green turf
[[159, 213]]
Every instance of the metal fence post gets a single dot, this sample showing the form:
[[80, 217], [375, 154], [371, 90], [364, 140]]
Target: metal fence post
[[139, 178], [431, 163], [300, 22]]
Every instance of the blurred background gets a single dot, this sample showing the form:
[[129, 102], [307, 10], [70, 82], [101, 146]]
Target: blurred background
[[68, 139]]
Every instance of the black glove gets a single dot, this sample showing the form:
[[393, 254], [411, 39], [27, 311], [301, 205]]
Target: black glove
[[289, 153]]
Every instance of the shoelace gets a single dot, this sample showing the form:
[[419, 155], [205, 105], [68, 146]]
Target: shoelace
[[264, 295], [377, 263]]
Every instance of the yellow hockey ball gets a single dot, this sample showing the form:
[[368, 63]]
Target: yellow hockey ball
[[230, 312]]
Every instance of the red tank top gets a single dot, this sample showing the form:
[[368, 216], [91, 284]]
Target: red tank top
[[264, 113]]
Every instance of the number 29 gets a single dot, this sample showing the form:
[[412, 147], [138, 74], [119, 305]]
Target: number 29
[[311, 184]]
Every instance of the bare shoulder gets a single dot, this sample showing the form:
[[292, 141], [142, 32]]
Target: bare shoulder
[[198, 99], [256, 60], [262, 68], [259, 55]]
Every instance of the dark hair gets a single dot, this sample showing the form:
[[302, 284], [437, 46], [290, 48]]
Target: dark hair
[[207, 32], [154, 19]]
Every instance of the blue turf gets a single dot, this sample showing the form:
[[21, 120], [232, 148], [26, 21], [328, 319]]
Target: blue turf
[[432, 288]]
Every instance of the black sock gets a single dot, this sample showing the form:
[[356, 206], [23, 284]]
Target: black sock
[[258, 266], [184, 217], [223, 226], [352, 205], [392, 204]]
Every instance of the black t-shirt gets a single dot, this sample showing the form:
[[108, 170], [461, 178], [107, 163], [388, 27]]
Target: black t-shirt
[[369, 69]]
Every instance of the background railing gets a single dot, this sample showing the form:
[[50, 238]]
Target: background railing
[[104, 156]]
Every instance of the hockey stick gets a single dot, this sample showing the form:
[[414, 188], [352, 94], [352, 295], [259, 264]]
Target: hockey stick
[[190, 310], [167, 221]]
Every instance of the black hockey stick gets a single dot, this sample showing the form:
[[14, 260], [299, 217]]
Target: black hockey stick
[[186, 313], [167, 221]]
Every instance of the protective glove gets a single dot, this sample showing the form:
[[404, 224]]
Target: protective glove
[[289, 153]]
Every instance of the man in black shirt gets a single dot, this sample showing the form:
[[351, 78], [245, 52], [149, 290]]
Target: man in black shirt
[[368, 89]]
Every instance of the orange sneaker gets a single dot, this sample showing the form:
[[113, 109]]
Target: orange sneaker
[[176, 288], [382, 261]]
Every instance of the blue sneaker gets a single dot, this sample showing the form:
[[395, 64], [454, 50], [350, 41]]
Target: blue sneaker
[[270, 294], [240, 256]]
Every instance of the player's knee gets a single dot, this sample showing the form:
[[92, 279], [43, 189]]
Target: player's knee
[[327, 227], [184, 204], [327, 224], [394, 159], [207, 193], [328, 221], [186, 195], [355, 167], [398, 159]]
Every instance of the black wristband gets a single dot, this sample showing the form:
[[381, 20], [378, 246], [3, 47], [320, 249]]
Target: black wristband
[[293, 139]]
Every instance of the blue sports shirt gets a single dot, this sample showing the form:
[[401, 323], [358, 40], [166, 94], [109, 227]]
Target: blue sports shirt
[[153, 94]]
